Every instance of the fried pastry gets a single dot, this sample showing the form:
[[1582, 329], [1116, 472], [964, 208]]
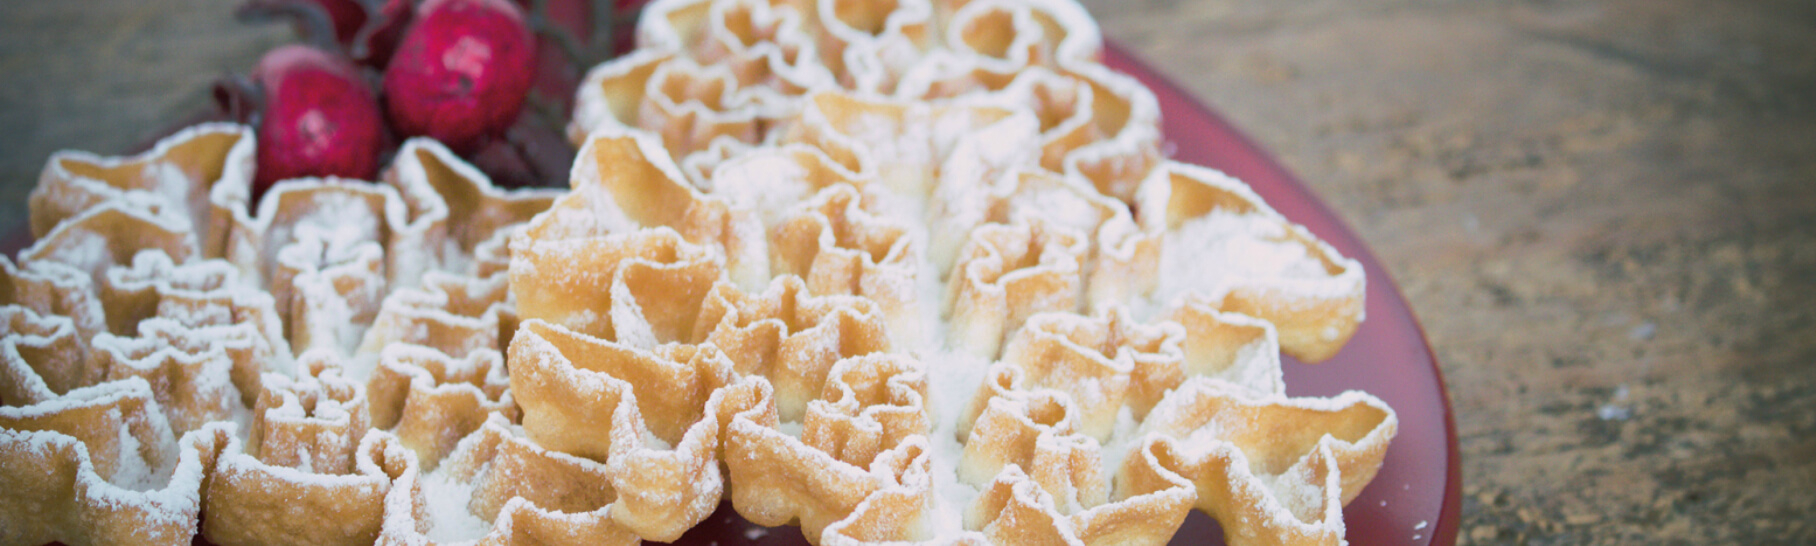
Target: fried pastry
[[200, 173], [662, 411], [44, 356], [100, 465], [887, 270], [838, 247], [1008, 272], [148, 375], [789, 336], [1270, 467], [1224, 245], [310, 450]]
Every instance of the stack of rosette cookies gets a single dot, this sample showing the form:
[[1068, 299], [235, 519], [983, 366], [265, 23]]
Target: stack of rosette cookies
[[888, 270]]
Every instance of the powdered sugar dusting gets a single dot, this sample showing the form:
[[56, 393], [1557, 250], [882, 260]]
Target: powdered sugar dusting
[[449, 518], [954, 375], [1202, 254], [1297, 492], [132, 470]]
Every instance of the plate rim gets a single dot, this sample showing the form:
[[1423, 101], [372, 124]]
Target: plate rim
[[1448, 520]]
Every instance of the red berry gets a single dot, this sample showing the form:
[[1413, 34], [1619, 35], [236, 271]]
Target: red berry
[[461, 72], [320, 118]]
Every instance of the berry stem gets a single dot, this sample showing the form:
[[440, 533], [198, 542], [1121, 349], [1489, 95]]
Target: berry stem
[[239, 98], [569, 44]]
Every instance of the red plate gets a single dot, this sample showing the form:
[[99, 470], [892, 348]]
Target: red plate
[[1415, 499]]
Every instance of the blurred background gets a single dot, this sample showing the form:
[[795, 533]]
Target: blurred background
[[1604, 212]]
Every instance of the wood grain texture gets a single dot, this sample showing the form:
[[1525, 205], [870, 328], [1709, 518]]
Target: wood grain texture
[[1603, 211], [107, 75]]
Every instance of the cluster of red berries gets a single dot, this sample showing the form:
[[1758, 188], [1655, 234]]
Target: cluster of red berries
[[375, 72]]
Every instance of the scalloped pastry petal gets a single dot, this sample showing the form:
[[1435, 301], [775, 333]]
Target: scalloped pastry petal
[[110, 234], [313, 422], [780, 480], [1226, 246], [1016, 509], [764, 44], [1034, 430], [43, 357], [1274, 470], [774, 181], [202, 172], [663, 410], [1231, 347], [611, 95], [1008, 272], [1097, 126], [453, 314], [454, 211], [342, 507], [52, 288], [789, 336], [591, 284], [1122, 259], [205, 295], [1068, 34], [190, 369], [690, 105], [431, 400], [686, 104], [624, 180], [310, 449], [871, 404], [1090, 361], [838, 247], [319, 247], [741, 66], [499, 487], [100, 465], [988, 43], [1128, 116], [913, 146], [869, 44], [119, 421]]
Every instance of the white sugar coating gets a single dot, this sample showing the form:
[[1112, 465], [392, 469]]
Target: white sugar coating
[[1203, 253], [133, 472], [769, 183], [446, 502], [1201, 438], [89, 253], [173, 185], [904, 141], [359, 367], [1060, 207], [953, 378], [1123, 440], [341, 220], [1297, 493], [653, 441]]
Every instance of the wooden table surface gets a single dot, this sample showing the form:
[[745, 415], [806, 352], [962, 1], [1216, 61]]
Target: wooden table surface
[[1604, 213]]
